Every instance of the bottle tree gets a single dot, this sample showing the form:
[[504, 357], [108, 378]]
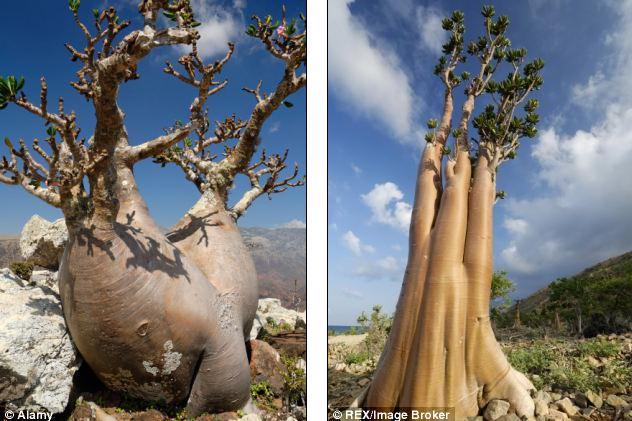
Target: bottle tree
[[441, 351], [159, 317]]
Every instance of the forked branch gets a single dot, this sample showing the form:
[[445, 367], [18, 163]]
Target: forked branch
[[270, 167]]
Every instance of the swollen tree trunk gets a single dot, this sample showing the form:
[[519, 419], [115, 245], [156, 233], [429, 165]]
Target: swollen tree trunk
[[144, 317], [442, 351], [209, 237]]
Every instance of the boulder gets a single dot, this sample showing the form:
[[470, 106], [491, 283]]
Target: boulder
[[555, 415], [541, 407], [615, 401], [266, 365], [42, 242], [45, 279], [37, 357], [270, 309], [257, 325], [495, 409], [509, 417], [567, 406]]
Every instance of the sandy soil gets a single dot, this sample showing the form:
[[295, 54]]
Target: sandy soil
[[350, 340]]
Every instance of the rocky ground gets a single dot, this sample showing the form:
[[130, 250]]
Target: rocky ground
[[40, 369], [578, 379]]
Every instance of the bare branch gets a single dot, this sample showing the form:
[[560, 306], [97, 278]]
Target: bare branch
[[272, 168], [156, 146]]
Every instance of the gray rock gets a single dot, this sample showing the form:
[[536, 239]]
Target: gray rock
[[555, 396], [46, 279], [271, 309], [37, 357], [615, 401], [587, 412], [567, 406], [543, 396], [495, 409], [581, 400], [541, 407], [42, 242], [256, 328], [363, 381], [555, 415], [594, 399], [509, 417]]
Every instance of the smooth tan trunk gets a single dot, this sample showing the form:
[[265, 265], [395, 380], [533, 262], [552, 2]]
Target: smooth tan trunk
[[453, 359], [210, 238], [145, 318]]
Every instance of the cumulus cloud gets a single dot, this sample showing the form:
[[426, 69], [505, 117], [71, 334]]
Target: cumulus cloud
[[387, 206], [220, 25], [294, 223], [355, 245], [367, 75], [584, 216], [387, 267]]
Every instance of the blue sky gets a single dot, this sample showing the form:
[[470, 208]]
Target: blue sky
[[569, 191], [32, 45]]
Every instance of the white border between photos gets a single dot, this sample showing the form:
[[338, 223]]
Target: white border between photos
[[317, 210]]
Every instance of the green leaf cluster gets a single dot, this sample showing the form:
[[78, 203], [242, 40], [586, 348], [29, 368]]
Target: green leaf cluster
[[452, 49], [73, 5], [10, 86]]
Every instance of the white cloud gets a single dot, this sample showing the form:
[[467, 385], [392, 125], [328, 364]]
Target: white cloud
[[387, 207], [294, 223], [584, 216], [355, 245], [274, 127], [219, 27], [432, 34], [368, 76], [516, 226], [387, 267], [357, 170]]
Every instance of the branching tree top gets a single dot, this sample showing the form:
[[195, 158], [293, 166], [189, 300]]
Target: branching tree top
[[57, 174]]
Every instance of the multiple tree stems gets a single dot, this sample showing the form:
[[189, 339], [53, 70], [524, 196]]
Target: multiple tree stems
[[441, 351]]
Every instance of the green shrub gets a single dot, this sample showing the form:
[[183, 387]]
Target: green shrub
[[294, 380], [262, 393], [377, 327], [565, 365], [24, 270], [599, 348], [356, 357]]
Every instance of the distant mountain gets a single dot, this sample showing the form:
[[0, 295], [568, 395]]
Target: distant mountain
[[9, 250], [609, 269], [280, 256], [595, 301]]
